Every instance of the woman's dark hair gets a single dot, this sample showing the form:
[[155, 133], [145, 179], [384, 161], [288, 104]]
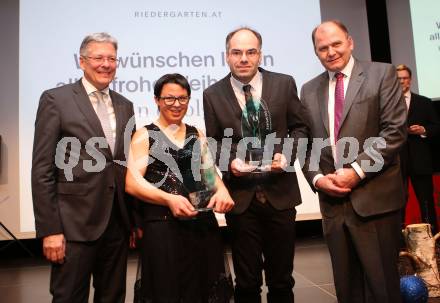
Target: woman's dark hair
[[171, 78]]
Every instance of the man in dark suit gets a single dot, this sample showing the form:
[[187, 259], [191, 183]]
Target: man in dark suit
[[77, 186], [423, 125], [359, 185], [263, 219]]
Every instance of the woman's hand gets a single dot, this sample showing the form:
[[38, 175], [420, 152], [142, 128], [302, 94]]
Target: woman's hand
[[180, 206], [221, 201]]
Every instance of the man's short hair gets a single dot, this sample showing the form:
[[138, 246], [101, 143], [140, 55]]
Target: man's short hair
[[335, 22], [244, 28], [402, 67], [171, 78], [97, 37]]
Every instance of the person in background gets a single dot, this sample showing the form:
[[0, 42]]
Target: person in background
[[416, 156]]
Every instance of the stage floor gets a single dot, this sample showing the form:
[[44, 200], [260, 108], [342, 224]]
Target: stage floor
[[24, 280]]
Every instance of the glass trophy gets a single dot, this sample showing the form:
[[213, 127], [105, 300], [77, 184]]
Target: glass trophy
[[256, 124], [200, 199], [205, 186]]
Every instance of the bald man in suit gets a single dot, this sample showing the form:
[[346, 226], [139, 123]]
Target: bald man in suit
[[262, 222], [360, 190]]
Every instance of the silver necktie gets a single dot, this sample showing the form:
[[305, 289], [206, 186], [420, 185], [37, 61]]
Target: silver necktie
[[101, 110]]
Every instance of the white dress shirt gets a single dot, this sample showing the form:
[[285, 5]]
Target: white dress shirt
[[347, 70], [407, 96]]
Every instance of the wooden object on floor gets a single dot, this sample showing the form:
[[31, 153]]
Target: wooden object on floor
[[421, 249]]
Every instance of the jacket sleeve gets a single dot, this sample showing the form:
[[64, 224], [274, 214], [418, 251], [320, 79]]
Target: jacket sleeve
[[43, 175], [392, 125]]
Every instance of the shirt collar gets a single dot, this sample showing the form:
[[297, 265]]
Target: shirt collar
[[90, 89], [255, 82], [346, 70]]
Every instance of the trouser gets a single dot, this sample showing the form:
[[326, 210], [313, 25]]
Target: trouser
[[105, 259], [364, 254], [262, 231]]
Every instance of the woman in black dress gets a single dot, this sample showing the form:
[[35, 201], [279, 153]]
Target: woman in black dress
[[181, 251]]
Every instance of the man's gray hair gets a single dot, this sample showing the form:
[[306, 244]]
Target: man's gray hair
[[97, 37]]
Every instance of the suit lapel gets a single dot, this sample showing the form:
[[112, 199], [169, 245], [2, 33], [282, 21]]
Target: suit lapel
[[118, 108], [86, 108], [267, 93], [266, 90], [356, 80], [411, 109], [231, 97], [322, 94]]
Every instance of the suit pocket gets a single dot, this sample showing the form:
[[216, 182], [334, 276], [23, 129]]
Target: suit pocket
[[77, 189]]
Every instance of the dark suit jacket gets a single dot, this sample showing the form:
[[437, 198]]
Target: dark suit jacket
[[416, 154], [223, 111], [80, 209], [436, 143], [373, 107]]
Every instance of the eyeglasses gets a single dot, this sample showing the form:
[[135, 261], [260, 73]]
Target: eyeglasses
[[250, 53], [170, 100], [100, 60]]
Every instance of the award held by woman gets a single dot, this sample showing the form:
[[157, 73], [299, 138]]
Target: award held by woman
[[205, 175], [256, 124]]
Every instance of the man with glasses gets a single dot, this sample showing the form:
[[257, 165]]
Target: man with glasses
[[263, 219], [81, 214]]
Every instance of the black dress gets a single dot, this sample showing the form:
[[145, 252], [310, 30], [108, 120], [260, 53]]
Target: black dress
[[182, 259]]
